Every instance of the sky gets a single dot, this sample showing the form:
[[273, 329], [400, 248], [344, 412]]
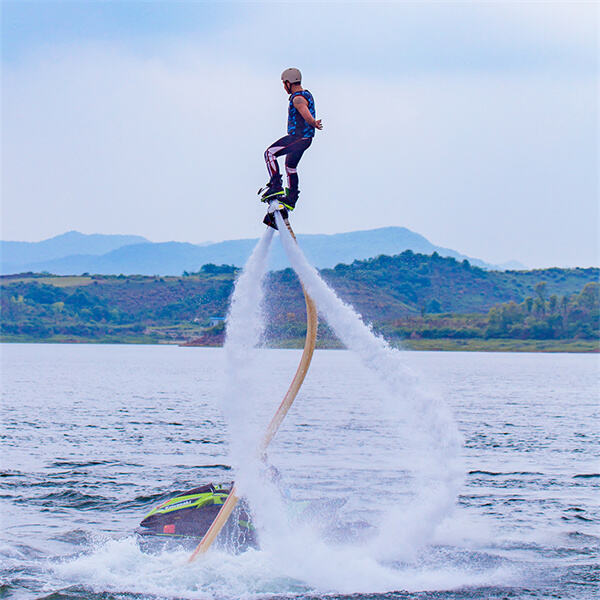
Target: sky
[[474, 124]]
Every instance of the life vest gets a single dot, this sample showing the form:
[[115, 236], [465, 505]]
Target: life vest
[[297, 126]]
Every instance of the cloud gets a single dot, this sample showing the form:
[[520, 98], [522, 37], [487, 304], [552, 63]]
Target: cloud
[[497, 162], [398, 40], [385, 37]]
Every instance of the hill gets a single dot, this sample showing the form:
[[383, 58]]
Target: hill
[[74, 253], [391, 292]]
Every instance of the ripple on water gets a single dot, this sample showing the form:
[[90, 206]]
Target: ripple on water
[[87, 456]]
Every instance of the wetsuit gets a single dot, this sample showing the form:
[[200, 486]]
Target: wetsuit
[[293, 145]]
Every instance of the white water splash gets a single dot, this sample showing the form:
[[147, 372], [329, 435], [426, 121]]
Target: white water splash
[[434, 443], [119, 568], [245, 328], [244, 395], [284, 543], [433, 446]]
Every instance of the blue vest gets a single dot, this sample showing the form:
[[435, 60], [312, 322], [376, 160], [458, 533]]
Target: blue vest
[[296, 124]]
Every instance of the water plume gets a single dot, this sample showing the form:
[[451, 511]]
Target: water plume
[[430, 446], [244, 331], [432, 442]]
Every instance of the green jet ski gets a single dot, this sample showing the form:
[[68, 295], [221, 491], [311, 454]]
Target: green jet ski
[[183, 519]]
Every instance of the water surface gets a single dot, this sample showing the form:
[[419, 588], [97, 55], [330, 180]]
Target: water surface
[[94, 436]]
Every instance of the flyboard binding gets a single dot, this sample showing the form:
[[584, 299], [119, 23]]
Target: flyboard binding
[[309, 348], [276, 201], [275, 205]]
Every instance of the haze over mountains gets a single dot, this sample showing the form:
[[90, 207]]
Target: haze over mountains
[[75, 253]]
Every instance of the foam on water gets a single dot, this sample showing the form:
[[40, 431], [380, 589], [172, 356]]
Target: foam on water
[[120, 565]]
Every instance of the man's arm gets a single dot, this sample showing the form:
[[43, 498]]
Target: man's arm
[[301, 105]]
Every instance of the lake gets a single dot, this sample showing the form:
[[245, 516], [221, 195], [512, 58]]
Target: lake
[[94, 436]]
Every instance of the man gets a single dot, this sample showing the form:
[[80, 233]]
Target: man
[[301, 130]]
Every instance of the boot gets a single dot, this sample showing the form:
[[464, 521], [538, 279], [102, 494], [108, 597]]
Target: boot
[[291, 197], [272, 189]]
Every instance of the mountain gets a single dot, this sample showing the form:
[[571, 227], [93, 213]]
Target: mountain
[[75, 253], [17, 256]]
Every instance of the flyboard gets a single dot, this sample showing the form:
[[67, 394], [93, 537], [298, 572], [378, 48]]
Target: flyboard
[[286, 403]]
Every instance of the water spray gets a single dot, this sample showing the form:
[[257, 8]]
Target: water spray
[[246, 300]]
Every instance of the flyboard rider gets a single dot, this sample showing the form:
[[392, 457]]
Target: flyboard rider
[[301, 127]]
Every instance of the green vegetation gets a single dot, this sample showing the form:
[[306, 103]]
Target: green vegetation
[[421, 302], [568, 317]]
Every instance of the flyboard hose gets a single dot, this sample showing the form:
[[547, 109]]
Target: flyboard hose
[[286, 403]]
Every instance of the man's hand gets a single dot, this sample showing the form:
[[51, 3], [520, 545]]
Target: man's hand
[[318, 124]]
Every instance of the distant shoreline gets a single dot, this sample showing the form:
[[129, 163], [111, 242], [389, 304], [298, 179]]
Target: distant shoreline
[[414, 301], [434, 345]]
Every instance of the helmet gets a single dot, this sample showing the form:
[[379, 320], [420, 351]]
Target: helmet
[[292, 75]]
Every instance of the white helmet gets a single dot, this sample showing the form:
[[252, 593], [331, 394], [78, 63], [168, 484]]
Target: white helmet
[[292, 75]]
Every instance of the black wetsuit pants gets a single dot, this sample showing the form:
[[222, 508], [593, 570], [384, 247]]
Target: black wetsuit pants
[[293, 148]]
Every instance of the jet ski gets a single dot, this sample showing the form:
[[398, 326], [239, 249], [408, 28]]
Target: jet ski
[[183, 519]]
